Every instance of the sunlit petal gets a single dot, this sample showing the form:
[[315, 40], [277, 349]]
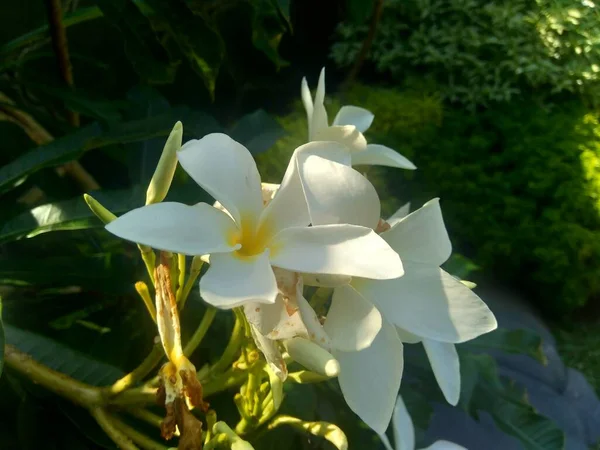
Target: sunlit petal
[[226, 170], [319, 116], [430, 303], [361, 118], [380, 155], [370, 379], [270, 349], [191, 230], [347, 135], [421, 236], [352, 321], [446, 368], [337, 250], [402, 426], [402, 212], [231, 280]]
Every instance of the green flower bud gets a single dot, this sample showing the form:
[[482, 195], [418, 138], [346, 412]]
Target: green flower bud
[[100, 211], [163, 175]]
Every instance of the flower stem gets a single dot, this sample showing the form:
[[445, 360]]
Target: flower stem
[[138, 373], [146, 416], [181, 280], [57, 382], [107, 423], [228, 356], [195, 269], [139, 438], [196, 339], [149, 258]]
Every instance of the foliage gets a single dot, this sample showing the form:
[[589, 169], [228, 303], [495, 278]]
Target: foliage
[[481, 52]]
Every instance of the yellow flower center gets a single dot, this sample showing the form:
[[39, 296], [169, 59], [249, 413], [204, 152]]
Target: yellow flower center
[[253, 239]]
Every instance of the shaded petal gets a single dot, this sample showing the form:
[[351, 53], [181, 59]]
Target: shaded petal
[[407, 337], [446, 368], [319, 119], [338, 194], [445, 445], [352, 321], [402, 425], [231, 280], [312, 323], [421, 236], [226, 170], [347, 135], [430, 303], [270, 349], [337, 250], [307, 102], [288, 207], [370, 379], [380, 155], [402, 212], [265, 317], [312, 356], [322, 280], [361, 118], [178, 228]]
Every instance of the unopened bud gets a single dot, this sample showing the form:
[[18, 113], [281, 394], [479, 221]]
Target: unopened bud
[[99, 211], [165, 170], [326, 430], [311, 356]]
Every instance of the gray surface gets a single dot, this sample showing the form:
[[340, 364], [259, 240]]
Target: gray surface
[[560, 393]]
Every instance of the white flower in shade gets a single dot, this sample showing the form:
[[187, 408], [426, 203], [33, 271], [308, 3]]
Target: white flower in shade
[[427, 304], [249, 238], [348, 127], [404, 432]]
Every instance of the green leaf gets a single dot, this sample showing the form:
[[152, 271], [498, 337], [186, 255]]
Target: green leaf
[[511, 341], [61, 358], [268, 29], [1, 340], [359, 11], [201, 45], [258, 131], [146, 55]]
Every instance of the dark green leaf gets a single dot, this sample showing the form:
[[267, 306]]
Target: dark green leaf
[[1, 340], [511, 341], [61, 358], [197, 41], [258, 131], [359, 11], [147, 56], [267, 30]]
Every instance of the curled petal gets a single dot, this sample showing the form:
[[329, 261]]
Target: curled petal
[[270, 349], [347, 135], [226, 170], [361, 118], [446, 368], [178, 228], [380, 155]]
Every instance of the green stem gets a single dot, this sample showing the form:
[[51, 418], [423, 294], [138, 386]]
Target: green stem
[[146, 416], [147, 365], [195, 269], [196, 339], [228, 356], [149, 258], [181, 281], [106, 422], [140, 439]]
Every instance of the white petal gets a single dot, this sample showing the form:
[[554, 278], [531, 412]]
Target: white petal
[[370, 379], [338, 194], [446, 368], [380, 155], [404, 430], [322, 280], [312, 356], [315, 330], [191, 230], [421, 236], [270, 349], [336, 250], [402, 212], [352, 321], [347, 135], [430, 303], [445, 445], [386, 442], [288, 207], [407, 337], [232, 280], [361, 118], [265, 317], [306, 100], [226, 170], [319, 116]]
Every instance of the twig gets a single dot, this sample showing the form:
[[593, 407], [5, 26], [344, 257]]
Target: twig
[[367, 43], [200, 332], [56, 382], [139, 438], [106, 422], [61, 50], [139, 372]]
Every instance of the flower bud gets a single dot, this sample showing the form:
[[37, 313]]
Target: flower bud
[[99, 211], [165, 170], [311, 356]]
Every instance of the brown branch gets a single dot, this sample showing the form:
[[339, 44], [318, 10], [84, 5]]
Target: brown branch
[[61, 50], [367, 43]]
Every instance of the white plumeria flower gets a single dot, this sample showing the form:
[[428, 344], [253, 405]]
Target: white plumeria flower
[[244, 242], [404, 433], [348, 127]]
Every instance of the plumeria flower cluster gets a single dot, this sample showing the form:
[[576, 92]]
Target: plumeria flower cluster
[[321, 227]]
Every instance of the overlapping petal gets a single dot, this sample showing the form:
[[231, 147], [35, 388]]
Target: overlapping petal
[[352, 321], [226, 170], [337, 250], [430, 303], [190, 230], [371, 393], [361, 118], [231, 280], [380, 155], [421, 236], [444, 361], [344, 134]]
